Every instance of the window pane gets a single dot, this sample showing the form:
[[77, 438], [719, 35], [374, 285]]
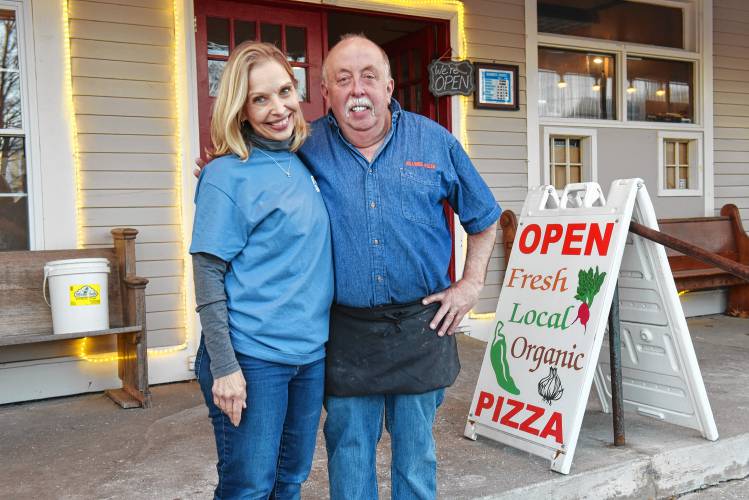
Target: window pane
[[296, 44], [576, 84], [560, 177], [670, 176], [404, 67], [10, 99], [12, 165], [670, 153], [574, 150], [684, 178], [243, 31], [683, 154], [8, 40], [659, 90], [14, 219], [416, 60], [301, 82], [623, 21], [559, 151], [575, 174], [215, 68], [406, 99], [271, 33], [218, 36], [14, 223]]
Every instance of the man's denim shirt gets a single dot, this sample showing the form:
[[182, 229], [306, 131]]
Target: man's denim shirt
[[391, 240]]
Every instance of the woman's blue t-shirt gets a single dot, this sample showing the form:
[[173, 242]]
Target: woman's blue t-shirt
[[274, 232]]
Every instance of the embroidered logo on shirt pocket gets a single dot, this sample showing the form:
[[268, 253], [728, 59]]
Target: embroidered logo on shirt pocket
[[420, 191]]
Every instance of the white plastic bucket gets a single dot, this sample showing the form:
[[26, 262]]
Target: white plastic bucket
[[78, 294]]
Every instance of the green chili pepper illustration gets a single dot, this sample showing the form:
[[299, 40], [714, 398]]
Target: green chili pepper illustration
[[498, 355]]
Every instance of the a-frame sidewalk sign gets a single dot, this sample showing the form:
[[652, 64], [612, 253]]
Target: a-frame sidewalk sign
[[551, 318]]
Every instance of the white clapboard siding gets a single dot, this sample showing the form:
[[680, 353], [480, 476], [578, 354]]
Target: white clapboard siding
[[111, 198], [123, 70], [127, 161], [123, 106], [110, 87], [142, 16], [118, 51], [129, 216], [134, 125], [166, 338], [731, 104], [146, 234], [167, 302], [121, 53], [112, 32], [96, 179], [497, 141]]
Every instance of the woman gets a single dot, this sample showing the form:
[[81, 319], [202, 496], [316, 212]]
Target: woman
[[263, 281]]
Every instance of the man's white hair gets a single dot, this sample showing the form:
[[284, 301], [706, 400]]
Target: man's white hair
[[351, 36]]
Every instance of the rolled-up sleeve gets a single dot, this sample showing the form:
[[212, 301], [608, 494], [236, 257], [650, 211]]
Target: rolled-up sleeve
[[469, 196]]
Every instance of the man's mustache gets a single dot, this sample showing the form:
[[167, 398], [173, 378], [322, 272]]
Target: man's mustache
[[359, 101]]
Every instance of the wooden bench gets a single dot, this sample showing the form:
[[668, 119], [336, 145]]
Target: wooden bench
[[723, 235], [25, 318]]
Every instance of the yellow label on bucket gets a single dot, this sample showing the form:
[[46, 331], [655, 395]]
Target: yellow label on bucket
[[85, 295]]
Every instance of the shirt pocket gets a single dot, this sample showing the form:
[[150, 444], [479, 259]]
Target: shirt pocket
[[420, 193]]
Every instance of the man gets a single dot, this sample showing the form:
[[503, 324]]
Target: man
[[384, 173]]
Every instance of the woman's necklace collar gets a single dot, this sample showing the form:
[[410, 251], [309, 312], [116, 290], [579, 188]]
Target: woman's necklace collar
[[286, 171]]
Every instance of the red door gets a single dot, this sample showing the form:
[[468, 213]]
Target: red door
[[223, 25]]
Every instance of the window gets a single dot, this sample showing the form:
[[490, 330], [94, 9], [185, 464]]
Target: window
[[569, 156], [14, 193], [576, 84], [225, 34], [633, 22], [566, 161], [593, 79], [679, 164], [659, 90]]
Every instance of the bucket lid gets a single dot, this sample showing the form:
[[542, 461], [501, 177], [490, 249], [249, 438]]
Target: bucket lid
[[76, 266], [77, 262]]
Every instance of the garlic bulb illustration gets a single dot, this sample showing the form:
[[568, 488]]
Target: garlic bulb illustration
[[550, 387]]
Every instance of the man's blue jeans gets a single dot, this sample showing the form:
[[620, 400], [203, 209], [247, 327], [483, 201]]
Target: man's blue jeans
[[270, 454], [353, 428]]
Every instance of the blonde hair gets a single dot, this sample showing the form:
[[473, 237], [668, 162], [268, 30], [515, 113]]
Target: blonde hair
[[231, 100]]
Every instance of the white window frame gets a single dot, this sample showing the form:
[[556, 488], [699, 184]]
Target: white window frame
[[26, 74], [696, 159], [620, 50], [589, 151]]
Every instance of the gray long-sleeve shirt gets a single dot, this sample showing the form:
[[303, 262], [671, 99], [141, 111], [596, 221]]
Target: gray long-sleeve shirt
[[210, 295]]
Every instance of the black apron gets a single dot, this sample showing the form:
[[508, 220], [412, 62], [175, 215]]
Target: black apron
[[388, 350]]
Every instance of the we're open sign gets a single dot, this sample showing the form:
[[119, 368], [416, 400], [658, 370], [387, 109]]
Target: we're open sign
[[550, 319]]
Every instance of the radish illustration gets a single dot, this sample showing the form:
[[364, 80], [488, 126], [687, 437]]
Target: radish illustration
[[588, 285]]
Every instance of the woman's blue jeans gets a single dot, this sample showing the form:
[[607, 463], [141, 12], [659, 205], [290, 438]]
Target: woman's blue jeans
[[353, 428], [270, 454]]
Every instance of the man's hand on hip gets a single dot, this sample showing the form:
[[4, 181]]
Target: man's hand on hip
[[199, 164], [456, 302]]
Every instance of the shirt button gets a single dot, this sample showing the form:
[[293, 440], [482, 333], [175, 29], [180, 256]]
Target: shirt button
[[378, 278], [369, 171], [372, 204], [376, 242]]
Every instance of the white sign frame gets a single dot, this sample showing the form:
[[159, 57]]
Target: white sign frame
[[655, 339], [578, 202]]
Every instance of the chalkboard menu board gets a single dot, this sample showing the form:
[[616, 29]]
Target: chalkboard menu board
[[451, 78]]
